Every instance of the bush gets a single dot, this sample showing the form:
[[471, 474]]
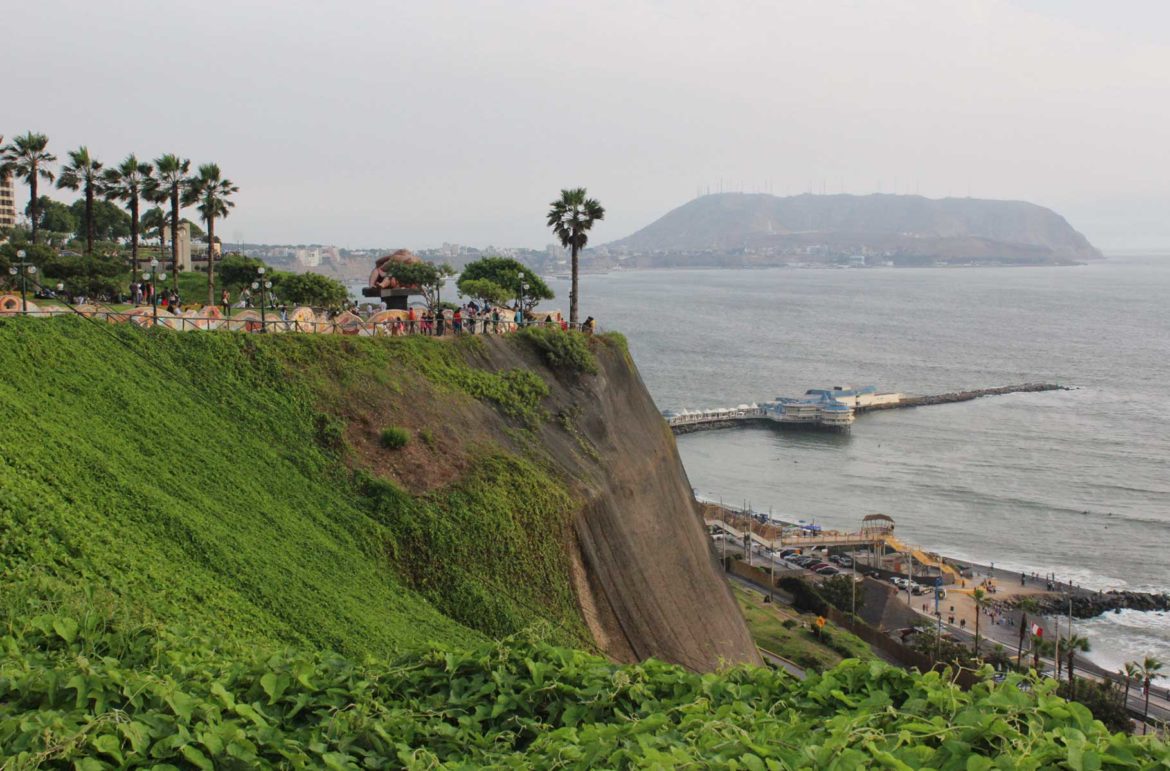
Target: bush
[[804, 596], [789, 623], [561, 350], [395, 438], [427, 437]]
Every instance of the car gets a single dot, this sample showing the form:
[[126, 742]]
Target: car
[[819, 566], [789, 553], [919, 589], [828, 570], [899, 581], [835, 559], [845, 562]]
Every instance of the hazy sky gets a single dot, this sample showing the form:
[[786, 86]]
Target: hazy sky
[[410, 124]]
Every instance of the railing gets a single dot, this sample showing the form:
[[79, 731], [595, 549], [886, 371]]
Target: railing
[[250, 321]]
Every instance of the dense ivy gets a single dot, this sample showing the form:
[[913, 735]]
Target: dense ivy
[[75, 692]]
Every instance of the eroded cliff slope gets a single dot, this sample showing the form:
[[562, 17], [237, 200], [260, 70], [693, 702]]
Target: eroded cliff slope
[[239, 486]]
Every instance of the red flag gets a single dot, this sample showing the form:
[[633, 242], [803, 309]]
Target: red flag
[[1036, 630]]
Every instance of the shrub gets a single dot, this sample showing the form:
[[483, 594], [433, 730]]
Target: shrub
[[567, 351], [426, 437], [395, 438], [789, 623]]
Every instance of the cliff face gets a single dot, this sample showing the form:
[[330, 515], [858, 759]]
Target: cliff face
[[888, 225], [239, 487], [644, 573]]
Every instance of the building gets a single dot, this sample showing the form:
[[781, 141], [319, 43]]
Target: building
[[7, 203]]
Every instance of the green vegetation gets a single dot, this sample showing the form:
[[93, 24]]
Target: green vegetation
[[565, 351], [786, 633], [88, 691], [427, 277], [395, 438], [498, 280], [185, 474], [312, 289]]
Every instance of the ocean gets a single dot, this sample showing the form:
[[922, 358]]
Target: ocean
[[1074, 483]]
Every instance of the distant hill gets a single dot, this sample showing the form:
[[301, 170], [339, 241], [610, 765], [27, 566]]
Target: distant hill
[[745, 229]]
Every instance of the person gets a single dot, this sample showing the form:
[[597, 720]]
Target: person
[[496, 320], [410, 318], [589, 325], [519, 318], [457, 322], [548, 320], [226, 301]]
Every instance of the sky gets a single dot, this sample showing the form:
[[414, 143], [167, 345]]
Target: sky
[[380, 123]]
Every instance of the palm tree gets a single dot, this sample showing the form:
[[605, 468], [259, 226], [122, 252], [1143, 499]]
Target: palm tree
[[83, 172], [571, 217], [167, 184], [154, 220], [980, 598], [1074, 643], [126, 182], [1040, 647], [1131, 673], [209, 192], [1150, 666], [28, 159]]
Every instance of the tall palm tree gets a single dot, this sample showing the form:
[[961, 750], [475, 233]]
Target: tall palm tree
[[28, 159], [127, 182], [1150, 666], [1131, 673], [1074, 643], [571, 217], [83, 172], [980, 598], [167, 185], [209, 192]]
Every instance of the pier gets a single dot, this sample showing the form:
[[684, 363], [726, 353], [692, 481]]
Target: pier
[[781, 414]]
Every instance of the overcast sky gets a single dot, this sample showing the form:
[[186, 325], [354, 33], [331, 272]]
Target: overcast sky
[[368, 123]]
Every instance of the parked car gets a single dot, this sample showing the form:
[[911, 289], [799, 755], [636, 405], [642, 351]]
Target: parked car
[[789, 553], [828, 570], [845, 561], [819, 566]]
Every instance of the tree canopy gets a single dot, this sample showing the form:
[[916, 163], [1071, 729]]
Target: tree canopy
[[490, 278], [236, 270], [110, 221], [310, 289], [427, 276]]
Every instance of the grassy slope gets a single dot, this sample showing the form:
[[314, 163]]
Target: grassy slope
[[797, 644], [189, 483]]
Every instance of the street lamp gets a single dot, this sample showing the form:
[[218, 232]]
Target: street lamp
[[160, 277], [25, 269], [263, 285]]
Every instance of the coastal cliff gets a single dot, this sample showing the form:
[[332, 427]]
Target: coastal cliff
[[243, 484]]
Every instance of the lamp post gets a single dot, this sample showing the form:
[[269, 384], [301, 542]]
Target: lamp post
[[263, 285], [159, 277], [25, 269]]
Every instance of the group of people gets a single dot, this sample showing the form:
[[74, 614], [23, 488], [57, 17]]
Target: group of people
[[472, 319], [143, 293]]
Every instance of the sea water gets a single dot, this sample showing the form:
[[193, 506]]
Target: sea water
[[1074, 483]]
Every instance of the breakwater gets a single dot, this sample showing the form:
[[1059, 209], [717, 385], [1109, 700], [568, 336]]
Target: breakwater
[[963, 396], [1087, 604]]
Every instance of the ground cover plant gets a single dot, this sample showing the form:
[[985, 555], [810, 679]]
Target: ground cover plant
[[82, 692]]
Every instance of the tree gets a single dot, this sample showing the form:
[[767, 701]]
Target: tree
[[86, 275], [110, 223], [236, 270], [1074, 643], [28, 159], [55, 217], [127, 182], [154, 220], [83, 172], [1131, 673], [839, 591], [492, 278], [211, 193], [1150, 666], [428, 277], [980, 598], [167, 185], [571, 217], [313, 289], [1040, 647], [1027, 605]]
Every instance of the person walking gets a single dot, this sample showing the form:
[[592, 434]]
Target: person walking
[[226, 301]]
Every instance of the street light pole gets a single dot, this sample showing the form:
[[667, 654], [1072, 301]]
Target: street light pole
[[25, 269], [263, 285]]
